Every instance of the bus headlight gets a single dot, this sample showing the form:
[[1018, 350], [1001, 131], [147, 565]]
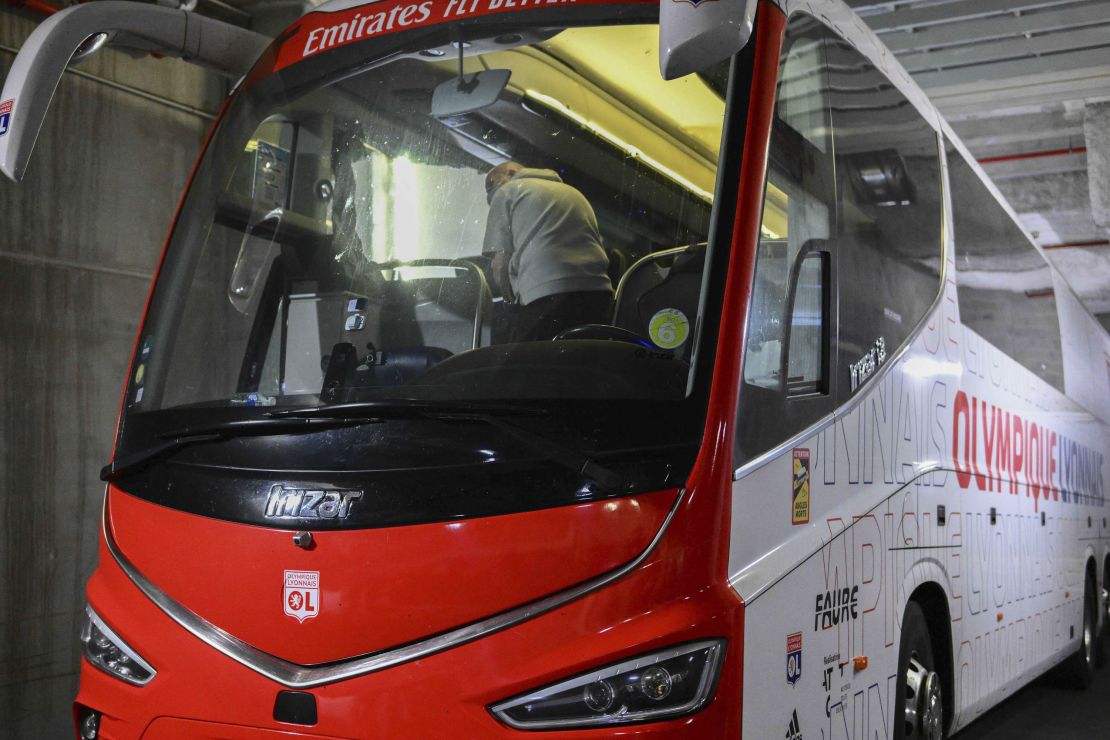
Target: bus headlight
[[657, 686], [105, 650]]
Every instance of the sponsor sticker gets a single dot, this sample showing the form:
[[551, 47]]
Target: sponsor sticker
[[319, 32], [669, 328], [6, 115], [799, 498], [835, 607], [793, 658], [794, 728], [302, 594]]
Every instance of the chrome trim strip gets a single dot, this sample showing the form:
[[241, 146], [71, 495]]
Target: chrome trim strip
[[298, 676], [864, 390], [809, 535]]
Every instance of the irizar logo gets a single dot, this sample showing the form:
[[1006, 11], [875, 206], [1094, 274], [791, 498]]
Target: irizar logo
[[298, 503], [794, 730]]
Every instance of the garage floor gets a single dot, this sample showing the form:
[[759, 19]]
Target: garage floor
[[1044, 711]]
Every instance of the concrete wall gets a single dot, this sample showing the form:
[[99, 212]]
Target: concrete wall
[[79, 240]]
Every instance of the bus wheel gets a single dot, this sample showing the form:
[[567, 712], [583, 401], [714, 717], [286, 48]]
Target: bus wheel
[[919, 712], [1079, 670], [1102, 646]]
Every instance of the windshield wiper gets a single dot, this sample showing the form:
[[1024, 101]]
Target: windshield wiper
[[489, 413], [220, 432]]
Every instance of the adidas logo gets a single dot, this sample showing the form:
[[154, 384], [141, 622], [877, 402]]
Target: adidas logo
[[793, 730]]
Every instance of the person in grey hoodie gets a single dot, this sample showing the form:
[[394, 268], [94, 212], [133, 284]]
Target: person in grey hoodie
[[547, 252]]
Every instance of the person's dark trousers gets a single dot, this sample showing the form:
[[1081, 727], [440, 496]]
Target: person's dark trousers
[[544, 318]]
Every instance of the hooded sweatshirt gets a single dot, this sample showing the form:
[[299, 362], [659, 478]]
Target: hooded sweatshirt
[[550, 233]]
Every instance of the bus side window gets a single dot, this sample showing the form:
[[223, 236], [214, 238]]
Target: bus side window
[[1004, 285], [889, 215], [854, 177], [788, 354]]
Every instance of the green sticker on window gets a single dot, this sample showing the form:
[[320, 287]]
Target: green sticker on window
[[669, 328]]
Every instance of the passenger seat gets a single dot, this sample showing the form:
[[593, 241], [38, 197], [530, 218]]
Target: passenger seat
[[651, 286]]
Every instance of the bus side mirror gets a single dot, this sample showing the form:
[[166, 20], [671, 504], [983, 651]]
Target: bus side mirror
[[694, 34], [78, 31]]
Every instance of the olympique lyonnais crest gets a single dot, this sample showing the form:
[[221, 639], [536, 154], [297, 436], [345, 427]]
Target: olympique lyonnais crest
[[793, 658], [302, 594]]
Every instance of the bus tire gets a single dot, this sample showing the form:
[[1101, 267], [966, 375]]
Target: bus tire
[[1078, 670], [919, 706]]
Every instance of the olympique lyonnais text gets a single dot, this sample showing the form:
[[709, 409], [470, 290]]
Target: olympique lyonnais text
[[404, 15], [998, 450]]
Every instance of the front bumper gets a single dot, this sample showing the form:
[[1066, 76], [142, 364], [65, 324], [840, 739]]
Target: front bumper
[[200, 692]]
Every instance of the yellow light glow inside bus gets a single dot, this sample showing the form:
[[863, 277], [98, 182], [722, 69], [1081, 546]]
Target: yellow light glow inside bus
[[629, 149]]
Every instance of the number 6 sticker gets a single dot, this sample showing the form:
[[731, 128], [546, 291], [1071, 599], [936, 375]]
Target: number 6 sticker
[[669, 328]]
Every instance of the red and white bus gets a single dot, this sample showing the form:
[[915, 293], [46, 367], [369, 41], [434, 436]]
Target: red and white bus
[[833, 466]]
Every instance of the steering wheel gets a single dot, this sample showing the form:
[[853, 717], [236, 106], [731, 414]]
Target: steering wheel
[[604, 332]]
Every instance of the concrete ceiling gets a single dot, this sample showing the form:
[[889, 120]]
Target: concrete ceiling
[[1026, 85]]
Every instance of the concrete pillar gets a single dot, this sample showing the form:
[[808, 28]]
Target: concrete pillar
[[1096, 129], [79, 240]]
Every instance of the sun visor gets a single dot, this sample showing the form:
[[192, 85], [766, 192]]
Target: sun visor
[[77, 32], [694, 34]]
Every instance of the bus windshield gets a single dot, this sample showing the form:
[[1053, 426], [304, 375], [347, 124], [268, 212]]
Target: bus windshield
[[347, 239]]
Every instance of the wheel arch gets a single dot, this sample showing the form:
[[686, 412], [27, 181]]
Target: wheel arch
[[933, 600]]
